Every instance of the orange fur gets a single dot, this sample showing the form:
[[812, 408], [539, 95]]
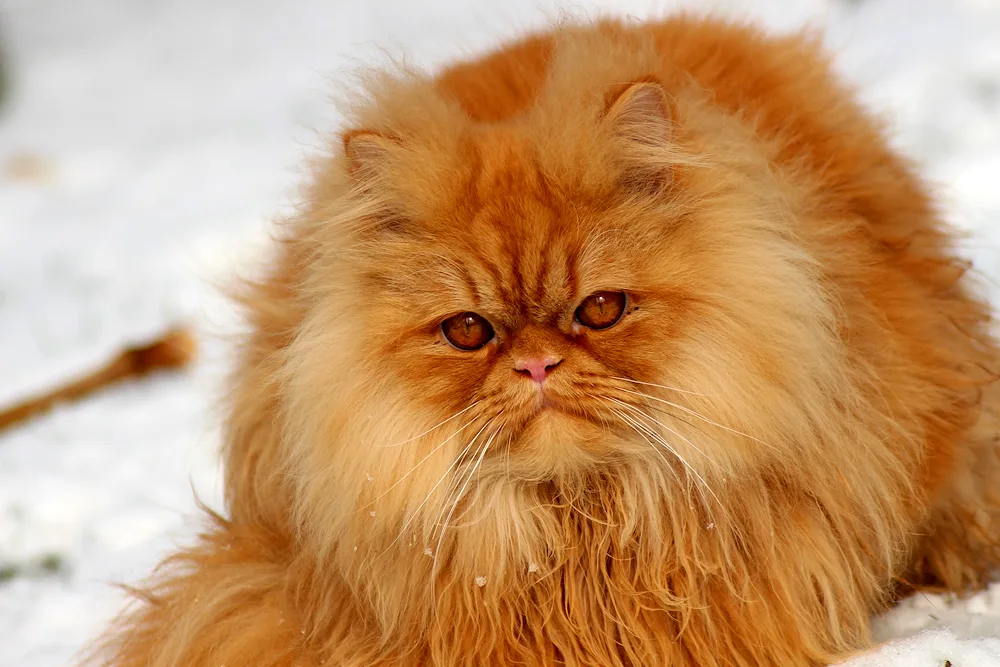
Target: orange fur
[[795, 421]]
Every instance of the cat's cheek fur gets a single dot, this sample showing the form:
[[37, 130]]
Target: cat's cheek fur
[[357, 437]]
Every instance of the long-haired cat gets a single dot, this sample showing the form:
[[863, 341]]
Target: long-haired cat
[[627, 344]]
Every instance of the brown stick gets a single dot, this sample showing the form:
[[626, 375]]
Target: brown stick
[[174, 350]]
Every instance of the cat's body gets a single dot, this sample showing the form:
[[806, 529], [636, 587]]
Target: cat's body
[[794, 326]]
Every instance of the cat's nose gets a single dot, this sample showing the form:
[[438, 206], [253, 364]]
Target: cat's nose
[[537, 368]]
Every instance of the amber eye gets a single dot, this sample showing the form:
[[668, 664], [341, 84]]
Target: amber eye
[[601, 309], [467, 331]]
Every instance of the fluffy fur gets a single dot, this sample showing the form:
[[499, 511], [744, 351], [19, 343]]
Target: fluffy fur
[[794, 422]]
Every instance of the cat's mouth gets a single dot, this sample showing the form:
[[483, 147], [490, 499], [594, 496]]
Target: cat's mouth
[[545, 401], [549, 404], [553, 438]]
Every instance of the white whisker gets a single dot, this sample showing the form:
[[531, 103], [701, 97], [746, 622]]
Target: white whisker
[[419, 463], [458, 460], [645, 432], [664, 426], [436, 426], [661, 386], [434, 488], [458, 498], [659, 438], [465, 484], [698, 415]]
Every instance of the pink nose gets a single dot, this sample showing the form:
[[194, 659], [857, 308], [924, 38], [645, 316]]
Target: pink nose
[[537, 368]]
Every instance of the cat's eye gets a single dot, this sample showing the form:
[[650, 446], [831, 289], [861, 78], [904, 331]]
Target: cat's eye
[[467, 331], [601, 310]]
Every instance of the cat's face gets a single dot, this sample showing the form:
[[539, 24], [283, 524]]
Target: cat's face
[[526, 312], [536, 306]]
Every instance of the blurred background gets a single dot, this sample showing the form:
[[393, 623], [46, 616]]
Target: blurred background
[[145, 145]]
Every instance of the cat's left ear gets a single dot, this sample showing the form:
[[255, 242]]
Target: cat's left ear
[[639, 116]]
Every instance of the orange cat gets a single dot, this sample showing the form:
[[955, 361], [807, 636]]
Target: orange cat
[[629, 344]]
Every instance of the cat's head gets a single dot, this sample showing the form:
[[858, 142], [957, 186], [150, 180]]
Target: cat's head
[[607, 285]]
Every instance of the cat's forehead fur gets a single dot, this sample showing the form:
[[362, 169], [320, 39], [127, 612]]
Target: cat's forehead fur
[[499, 234], [559, 135], [531, 205]]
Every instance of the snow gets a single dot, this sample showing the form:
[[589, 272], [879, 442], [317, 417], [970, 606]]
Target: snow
[[143, 147], [933, 648]]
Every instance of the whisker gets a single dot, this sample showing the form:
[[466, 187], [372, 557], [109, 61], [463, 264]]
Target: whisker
[[417, 465], [628, 420], [510, 441], [702, 486], [661, 386], [661, 440], [673, 416], [463, 475], [701, 479], [434, 488], [672, 432], [458, 498], [645, 432], [700, 416], [468, 478], [662, 425], [438, 425]]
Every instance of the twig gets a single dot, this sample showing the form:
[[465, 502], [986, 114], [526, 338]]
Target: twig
[[174, 350]]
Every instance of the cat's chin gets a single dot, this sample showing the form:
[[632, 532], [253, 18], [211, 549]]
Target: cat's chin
[[555, 443]]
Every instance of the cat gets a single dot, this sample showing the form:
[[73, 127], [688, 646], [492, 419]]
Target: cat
[[625, 344]]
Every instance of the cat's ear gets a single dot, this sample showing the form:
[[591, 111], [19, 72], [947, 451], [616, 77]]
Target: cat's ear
[[639, 115], [368, 153]]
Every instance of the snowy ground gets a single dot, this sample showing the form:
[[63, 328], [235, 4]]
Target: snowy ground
[[143, 147]]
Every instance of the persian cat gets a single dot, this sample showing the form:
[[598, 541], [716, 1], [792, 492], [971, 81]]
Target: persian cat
[[625, 344]]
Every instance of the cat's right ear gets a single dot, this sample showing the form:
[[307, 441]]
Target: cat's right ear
[[368, 154]]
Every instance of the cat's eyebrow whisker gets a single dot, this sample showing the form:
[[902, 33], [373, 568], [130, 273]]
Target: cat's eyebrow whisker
[[698, 415], [592, 240], [661, 386], [436, 426]]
